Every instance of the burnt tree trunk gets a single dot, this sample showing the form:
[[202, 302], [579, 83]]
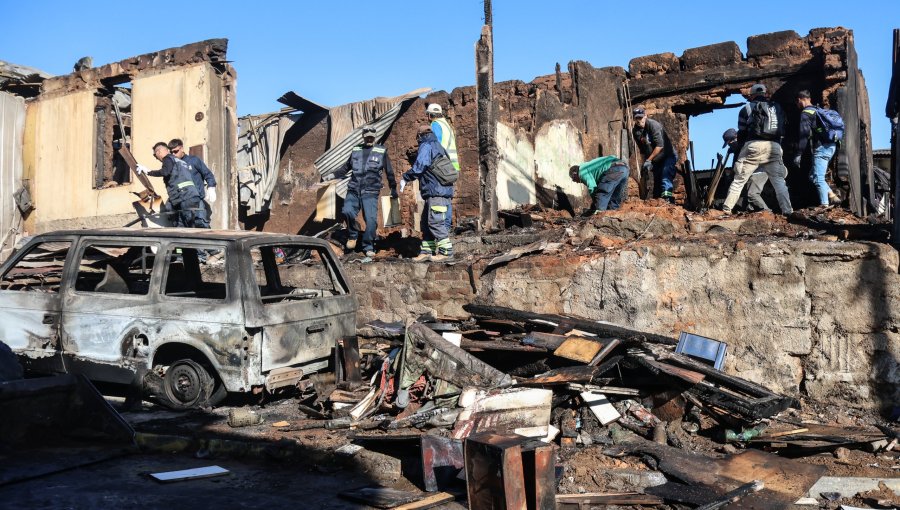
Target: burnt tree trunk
[[488, 154], [892, 110]]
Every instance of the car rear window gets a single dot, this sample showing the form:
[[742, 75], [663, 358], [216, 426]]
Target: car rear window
[[290, 272]]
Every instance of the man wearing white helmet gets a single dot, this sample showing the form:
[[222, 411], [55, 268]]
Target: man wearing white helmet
[[447, 138]]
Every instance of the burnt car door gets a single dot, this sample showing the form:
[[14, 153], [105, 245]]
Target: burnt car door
[[301, 300], [30, 303], [109, 305]]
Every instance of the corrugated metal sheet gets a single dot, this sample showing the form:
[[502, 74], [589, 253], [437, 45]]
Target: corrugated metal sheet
[[345, 118], [258, 157], [337, 155], [12, 128]]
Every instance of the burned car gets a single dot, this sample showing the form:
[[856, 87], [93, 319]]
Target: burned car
[[185, 315]]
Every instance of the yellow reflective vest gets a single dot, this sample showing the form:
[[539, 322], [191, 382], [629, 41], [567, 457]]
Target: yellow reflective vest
[[447, 139]]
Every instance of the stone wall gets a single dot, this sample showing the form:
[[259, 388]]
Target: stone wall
[[785, 308]]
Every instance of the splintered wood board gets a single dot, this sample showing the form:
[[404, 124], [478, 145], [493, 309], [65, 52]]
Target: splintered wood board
[[578, 348], [189, 474]]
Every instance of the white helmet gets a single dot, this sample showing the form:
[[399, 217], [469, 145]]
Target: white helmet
[[434, 108]]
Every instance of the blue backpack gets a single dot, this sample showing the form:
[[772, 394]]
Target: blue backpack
[[830, 125]]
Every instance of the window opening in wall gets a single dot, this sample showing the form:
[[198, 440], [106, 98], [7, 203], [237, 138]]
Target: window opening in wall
[[116, 268], [112, 131], [292, 272], [40, 269], [706, 129]]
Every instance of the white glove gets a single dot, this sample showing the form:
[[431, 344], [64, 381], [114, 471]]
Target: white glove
[[402, 184], [140, 169], [211, 195]]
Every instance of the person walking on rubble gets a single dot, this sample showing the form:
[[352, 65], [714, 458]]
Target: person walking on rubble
[[184, 199], [365, 165], [605, 178], [760, 128], [201, 175], [446, 136], [436, 243], [822, 147], [659, 156], [758, 179]]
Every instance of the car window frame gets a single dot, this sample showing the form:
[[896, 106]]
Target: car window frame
[[330, 262], [22, 252], [86, 241], [172, 244]]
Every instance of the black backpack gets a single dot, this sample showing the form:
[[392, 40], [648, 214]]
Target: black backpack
[[766, 121], [443, 170]]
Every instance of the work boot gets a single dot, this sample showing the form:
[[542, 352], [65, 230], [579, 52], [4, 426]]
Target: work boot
[[370, 253], [833, 199], [351, 244], [441, 258], [422, 257]]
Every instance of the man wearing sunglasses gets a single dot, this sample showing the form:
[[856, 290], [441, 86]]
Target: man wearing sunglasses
[[200, 174]]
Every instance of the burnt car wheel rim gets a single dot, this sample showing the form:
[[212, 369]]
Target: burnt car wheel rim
[[183, 383]]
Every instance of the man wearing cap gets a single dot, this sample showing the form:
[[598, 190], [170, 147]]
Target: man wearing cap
[[447, 138], [659, 156], [200, 174], [822, 149], [605, 178], [760, 149], [436, 243], [759, 178], [365, 165]]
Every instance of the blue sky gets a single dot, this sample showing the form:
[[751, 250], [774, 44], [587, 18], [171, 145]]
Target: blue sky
[[338, 51]]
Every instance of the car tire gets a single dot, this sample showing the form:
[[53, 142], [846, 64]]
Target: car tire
[[187, 385]]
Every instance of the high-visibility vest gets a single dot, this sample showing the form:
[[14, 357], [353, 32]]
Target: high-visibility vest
[[447, 140]]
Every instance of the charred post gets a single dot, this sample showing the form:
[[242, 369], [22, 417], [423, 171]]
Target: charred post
[[486, 122]]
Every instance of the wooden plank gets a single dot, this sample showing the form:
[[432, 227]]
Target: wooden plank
[[609, 498], [785, 479], [497, 345], [189, 474], [545, 340], [601, 329], [431, 501], [681, 373], [132, 164], [609, 346], [577, 348], [577, 374], [380, 497]]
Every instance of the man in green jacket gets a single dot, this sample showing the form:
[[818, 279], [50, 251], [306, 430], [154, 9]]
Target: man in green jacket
[[606, 178]]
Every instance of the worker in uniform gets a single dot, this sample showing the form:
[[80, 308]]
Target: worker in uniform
[[605, 178], [203, 178], [364, 166], [447, 138], [659, 156], [436, 243], [184, 199]]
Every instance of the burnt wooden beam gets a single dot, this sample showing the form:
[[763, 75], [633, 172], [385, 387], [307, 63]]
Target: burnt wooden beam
[[211, 50], [601, 329], [689, 81], [486, 123]]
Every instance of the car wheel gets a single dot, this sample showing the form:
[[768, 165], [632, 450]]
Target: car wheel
[[187, 385]]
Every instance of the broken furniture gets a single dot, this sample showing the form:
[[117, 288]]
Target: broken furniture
[[509, 472]]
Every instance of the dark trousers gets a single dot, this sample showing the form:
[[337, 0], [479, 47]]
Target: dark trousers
[[353, 203], [609, 191], [190, 213]]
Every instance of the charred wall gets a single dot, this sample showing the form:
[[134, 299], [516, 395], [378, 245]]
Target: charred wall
[[565, 118]]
